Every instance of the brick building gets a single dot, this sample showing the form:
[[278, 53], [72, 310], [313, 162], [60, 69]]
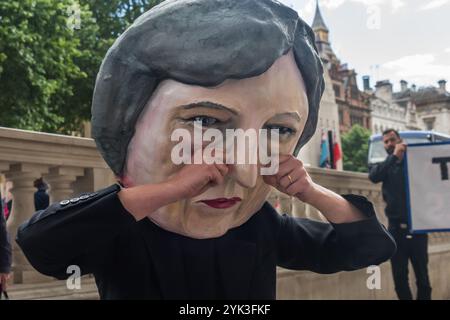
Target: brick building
[[353, 104]]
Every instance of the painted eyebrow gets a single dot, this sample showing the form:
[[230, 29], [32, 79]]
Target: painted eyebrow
[[218, 106], [293, 115], [210, 105]]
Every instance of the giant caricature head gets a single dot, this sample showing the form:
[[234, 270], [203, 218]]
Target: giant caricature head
[[226, 64]]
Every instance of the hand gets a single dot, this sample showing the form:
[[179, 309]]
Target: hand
[[194, 179], [399, 150], [333, 206], [4, 280], [291, 178], [190, 181], [141, 201]]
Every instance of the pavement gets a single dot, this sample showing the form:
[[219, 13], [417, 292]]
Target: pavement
[[54, 290]]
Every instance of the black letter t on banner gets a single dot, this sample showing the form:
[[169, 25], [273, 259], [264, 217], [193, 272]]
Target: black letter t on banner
[[444, 168]]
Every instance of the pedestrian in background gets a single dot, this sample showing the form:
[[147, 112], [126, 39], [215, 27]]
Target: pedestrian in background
[[41, 198], [410, 247]]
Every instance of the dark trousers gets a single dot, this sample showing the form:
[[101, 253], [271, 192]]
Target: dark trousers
[[414, 248]]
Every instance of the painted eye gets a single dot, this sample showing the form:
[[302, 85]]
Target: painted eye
[[204, 121], [283, 131]]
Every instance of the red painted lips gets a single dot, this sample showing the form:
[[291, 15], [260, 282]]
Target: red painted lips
[[222, 203]]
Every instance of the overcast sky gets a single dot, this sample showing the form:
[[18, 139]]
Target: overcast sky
[[406, 39]]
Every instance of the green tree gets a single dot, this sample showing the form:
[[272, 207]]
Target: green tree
[[111, 18], [38, 66], [48, 70], [355, 145], [114, 16]]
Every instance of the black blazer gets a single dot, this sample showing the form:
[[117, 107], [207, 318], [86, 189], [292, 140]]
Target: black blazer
[[41, 199], [132, 259]]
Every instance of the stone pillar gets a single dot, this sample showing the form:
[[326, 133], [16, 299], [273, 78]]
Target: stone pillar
[[285, 203], [94, 179], [273, 199], [60, 180], [298, 208], [4, 166], [22, 176], [379, 204]]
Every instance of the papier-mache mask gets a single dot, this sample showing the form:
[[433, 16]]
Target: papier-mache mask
[[224, 64]]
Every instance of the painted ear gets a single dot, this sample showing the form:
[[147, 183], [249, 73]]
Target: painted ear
[[125, 181]]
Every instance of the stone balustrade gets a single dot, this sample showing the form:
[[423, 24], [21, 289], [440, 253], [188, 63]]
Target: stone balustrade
[[72, 165]]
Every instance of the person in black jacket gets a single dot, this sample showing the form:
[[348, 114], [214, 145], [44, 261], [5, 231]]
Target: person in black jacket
[[41, 198], [177, 230], [412, 247], [5, 251], [137, 259]]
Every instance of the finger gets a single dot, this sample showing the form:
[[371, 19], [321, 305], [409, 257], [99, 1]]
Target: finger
[[287, 168], [270, 180], [285, 182], [295, 164], [221, 154], [281, 159], [223, 169], [284, 157], [295, 175], [296, 187]]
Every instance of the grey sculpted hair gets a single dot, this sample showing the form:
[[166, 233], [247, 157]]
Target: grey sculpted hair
[[198, 42]]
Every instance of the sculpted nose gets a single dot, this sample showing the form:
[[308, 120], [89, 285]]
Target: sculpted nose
[[245, 174]]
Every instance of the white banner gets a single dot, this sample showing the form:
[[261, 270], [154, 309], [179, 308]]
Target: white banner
[[428, 187]]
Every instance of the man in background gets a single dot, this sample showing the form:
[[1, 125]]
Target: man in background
[[412, 247]]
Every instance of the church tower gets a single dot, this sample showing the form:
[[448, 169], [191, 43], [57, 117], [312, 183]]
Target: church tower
[[322, 33], [319, 26], [328, 112]]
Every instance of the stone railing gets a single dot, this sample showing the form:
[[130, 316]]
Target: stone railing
[[72, 165]]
